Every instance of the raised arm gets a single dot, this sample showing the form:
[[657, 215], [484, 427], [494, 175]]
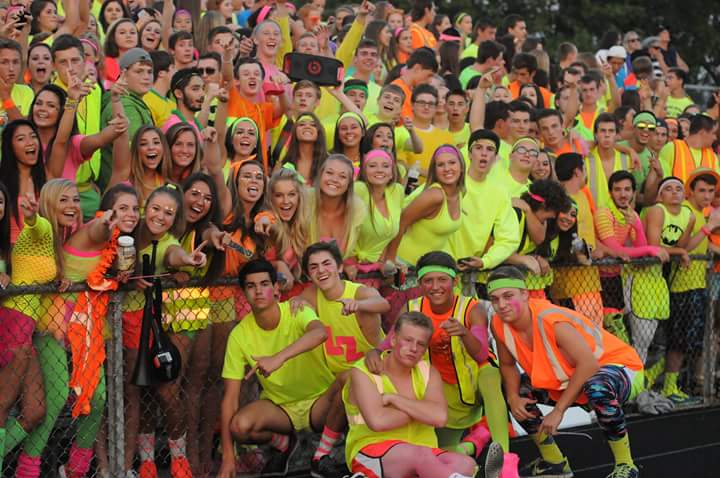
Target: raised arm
[[167, 30], [121, 126], [77, 90]]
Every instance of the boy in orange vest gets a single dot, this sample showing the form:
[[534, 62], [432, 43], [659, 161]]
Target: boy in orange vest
[[567, 360]]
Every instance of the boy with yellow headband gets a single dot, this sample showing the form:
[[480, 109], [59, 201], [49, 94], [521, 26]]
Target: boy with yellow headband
[[567, 360]]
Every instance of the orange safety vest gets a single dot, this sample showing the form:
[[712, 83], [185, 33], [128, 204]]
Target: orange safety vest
[[684, 163], [544, 362]]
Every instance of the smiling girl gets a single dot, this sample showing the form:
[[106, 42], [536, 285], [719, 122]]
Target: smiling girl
[[164, 222], [434, 212], [307, 149]]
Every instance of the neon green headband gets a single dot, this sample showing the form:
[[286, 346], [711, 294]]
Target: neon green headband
[[504, 283], [355, 116], [363, 88], [524, 139], [245, 119], [432, 268], [460, 17]]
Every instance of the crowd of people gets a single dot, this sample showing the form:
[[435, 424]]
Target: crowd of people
[[448, 199]]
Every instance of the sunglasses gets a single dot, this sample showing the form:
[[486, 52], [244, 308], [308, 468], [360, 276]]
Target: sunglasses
[[207, 71], [647, 126]]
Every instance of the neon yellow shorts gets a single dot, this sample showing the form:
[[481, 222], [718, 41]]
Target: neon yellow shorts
[[299, 412]]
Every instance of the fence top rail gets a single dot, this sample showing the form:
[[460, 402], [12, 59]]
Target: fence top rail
[[52, 288]]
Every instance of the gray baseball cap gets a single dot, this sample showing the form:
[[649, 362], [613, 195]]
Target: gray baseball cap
[[133, 56]]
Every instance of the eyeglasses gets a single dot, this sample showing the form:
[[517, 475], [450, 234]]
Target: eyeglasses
[[533, 153], [630, 40], [426, 104], [207, 71], [647, 126]]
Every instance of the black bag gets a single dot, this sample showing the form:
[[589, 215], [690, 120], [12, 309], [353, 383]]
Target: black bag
[[161, 361]]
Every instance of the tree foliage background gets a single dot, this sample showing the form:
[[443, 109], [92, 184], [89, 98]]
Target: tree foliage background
[[695, 24]]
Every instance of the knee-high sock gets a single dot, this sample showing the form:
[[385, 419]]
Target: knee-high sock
[[88, 425], [2, 448], [495, 407], [14, 434], [54, 367]]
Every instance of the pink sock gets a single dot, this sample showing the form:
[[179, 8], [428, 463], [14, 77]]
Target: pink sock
[[27, 466], [510, 466], [79, 462]]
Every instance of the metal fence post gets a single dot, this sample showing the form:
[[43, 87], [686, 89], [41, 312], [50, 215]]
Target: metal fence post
[[116, 402], [710, 349]]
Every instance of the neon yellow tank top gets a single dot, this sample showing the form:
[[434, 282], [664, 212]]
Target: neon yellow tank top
[[346, 342], [360, 435], [673, 225], [429, 234]]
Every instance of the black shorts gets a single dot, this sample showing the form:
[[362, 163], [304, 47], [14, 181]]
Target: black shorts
[[612, 293], [688, 311]]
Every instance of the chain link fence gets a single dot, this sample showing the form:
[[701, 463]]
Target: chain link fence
[[69, 425]]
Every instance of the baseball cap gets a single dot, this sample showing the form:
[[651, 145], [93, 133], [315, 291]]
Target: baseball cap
[[132, 56], [617, 51]]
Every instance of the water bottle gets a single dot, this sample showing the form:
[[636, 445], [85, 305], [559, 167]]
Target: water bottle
[[412, 178]]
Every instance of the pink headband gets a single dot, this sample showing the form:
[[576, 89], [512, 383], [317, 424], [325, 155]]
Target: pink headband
[[377, 153], [447, 149], [539, 199], [181, 11], [444, 37], [264, 12], [398, 31], [86, 41]]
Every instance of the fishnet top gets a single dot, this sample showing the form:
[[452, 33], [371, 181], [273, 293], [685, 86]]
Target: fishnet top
[[33, 262]]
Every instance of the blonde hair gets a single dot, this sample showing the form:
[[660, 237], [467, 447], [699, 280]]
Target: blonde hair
[[294, 234], [353, 214], [49, 197]]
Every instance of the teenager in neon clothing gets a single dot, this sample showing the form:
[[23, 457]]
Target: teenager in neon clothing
[[393, 416], [351, 314], [567, 360], [458, 349]]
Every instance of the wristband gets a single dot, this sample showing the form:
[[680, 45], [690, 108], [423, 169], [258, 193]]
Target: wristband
[[705, 230], [8, 104], [70, 103]]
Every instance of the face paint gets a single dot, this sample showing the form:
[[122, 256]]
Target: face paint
[[517, 306]]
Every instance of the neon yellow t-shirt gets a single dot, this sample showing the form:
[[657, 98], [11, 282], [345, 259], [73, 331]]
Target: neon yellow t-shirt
[[431, 139], [675, 106], [22, 96], [303, 377], [505, 181]]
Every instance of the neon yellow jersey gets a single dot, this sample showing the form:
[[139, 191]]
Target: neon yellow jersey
[[135, 300], [303, 377], [346, 342], [693, 277], [376, 230], [161, 108], [360, 435], [675, 106]]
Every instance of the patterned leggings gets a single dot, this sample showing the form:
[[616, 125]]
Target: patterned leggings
[[606, 391]]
